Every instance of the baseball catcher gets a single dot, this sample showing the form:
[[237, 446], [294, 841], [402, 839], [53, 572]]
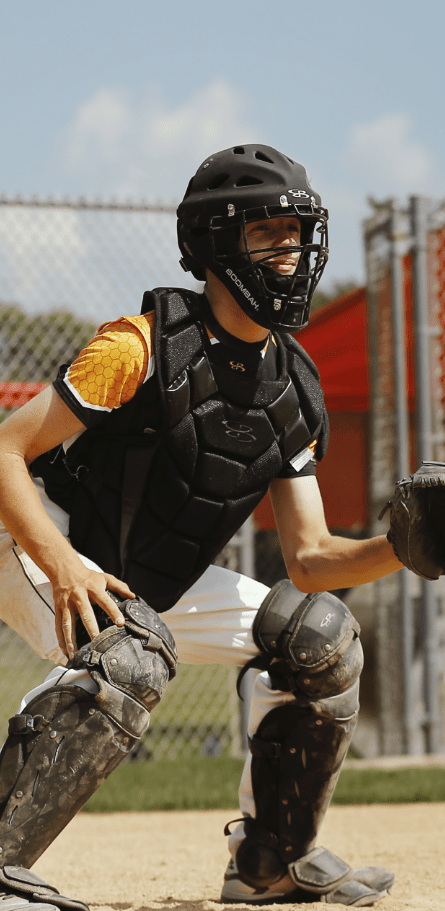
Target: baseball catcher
[[120, 484]]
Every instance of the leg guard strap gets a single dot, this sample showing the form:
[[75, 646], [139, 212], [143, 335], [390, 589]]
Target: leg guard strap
[[319, 872], [322, 873]]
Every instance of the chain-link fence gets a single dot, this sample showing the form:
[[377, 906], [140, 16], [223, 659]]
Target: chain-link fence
[[405, 287], [65, 267]]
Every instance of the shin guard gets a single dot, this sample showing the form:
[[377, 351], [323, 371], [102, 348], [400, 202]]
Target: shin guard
[[311, 648], [297, 754], [66, 742]]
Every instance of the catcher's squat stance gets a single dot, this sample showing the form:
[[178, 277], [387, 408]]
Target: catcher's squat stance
[[145, 456]]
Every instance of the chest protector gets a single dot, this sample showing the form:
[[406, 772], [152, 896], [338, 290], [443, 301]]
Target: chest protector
[[160, 490]]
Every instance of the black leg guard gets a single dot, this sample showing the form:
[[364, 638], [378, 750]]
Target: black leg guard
[[297, 755], [311, 648], [67, 742]]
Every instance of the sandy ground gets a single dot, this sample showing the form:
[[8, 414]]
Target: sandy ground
[[176, 860]]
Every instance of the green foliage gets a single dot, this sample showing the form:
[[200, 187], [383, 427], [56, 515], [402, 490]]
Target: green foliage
[[205, 784], [33, 347], [334, 290], [20, 671]]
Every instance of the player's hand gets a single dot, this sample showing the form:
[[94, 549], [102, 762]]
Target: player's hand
[[74, 598]]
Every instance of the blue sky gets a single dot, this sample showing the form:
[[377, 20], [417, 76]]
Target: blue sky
[[125, 98]]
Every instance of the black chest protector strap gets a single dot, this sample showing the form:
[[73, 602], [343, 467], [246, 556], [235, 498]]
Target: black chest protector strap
[[137, 464]]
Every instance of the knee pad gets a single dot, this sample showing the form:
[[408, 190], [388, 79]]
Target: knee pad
[[67, 742], [131, 665], [310, 645]]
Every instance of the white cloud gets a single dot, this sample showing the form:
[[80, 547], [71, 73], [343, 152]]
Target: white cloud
[[385, 153], [100, 125], [116, 145]]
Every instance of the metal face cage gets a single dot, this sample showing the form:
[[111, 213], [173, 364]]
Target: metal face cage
[[286, 299]]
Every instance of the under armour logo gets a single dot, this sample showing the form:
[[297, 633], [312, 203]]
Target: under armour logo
[[237, 366], [240, 432], [326, 621]]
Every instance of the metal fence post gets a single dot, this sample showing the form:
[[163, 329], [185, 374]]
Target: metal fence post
[[419, 210], [385, 240], [397, 237], [246, 540]]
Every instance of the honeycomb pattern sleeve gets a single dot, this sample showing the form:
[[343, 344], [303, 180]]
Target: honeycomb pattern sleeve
[[110, 369]]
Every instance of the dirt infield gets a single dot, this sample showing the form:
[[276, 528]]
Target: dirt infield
[[175, 861]]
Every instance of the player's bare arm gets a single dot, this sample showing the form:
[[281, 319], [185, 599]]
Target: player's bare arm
[[40, 425], [315, 559]]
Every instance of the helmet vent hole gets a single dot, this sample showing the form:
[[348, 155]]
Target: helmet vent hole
[[238, 150], [248, 181], [262, 157], [217, 181]]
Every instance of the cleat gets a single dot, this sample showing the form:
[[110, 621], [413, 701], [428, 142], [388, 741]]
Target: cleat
[[234, 890], [364, 887], [20, 903]]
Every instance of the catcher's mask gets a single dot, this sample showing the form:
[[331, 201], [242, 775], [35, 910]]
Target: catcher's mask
[[246, 184]]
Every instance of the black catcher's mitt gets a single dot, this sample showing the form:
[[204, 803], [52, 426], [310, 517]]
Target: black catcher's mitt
[[417, 521]]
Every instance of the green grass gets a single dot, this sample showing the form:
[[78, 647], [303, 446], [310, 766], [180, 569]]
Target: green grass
[[422, 785], [205, 784], [192, 784]]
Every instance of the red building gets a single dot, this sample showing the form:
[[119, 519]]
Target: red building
[[337, 341]]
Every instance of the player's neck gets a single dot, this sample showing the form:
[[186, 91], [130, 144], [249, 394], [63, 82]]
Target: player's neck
[[229, 315]]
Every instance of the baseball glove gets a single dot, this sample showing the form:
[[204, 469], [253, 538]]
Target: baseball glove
[[417, 520]]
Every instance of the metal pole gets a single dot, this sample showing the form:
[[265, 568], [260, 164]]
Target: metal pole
[[399, 344], [424, 452], [402, 455], [246, 539], [247, 567]]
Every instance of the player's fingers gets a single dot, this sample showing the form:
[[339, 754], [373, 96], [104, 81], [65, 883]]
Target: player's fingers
[[65, 630], [121, 588], [59, 633], [88, 617], [73, 640], [108, 604], [116, 585]]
